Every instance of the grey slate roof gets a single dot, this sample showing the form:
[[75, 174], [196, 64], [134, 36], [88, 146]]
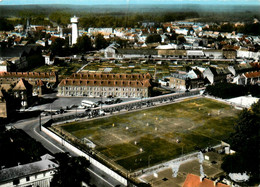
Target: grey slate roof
[[138, 51], [26, 169], [179, 76], [17, 51]]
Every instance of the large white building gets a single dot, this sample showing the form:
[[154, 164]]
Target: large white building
[[33, 174], [75, 32]]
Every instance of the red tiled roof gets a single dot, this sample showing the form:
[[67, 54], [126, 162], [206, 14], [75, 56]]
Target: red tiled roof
[[194, 181], [255, 64], [18, 39], [26, 74], [252, 74], [231, 47], [40, 83], [22, 85], [110, 76], [105, 83]]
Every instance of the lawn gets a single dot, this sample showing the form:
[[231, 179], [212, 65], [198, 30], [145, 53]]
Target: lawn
[[133, 67], [160, 133], [63, 71]]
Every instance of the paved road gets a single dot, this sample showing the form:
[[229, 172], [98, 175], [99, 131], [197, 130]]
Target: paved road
[[31, 127], [63, 102]]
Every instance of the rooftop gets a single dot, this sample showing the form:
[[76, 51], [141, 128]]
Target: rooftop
[[22, 85], [16, 51], [254, 74], [195, 181], [105, 83], [26, 169], [26, 74], [110, 76]]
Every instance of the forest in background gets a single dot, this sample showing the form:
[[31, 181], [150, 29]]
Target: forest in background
[[133, 15]]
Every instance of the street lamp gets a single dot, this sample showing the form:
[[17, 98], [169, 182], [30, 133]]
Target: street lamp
[[40, 124], [101, 101], [51, 111], [149, 159]]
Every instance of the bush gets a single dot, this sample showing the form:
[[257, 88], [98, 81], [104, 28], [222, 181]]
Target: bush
[[229, 90]]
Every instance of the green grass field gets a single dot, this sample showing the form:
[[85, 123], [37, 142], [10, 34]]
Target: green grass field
[[161, 132], [63, 71]]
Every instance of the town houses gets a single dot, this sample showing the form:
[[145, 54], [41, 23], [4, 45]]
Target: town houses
[[129, 64], [105, 85]]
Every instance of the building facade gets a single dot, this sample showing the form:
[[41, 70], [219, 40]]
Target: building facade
[[23, 92], [33, 174], [3, 106], [41, 82], [178, 82], [104, 85], [11, 77]]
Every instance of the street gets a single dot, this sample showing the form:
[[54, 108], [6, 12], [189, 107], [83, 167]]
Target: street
[[31, 127]]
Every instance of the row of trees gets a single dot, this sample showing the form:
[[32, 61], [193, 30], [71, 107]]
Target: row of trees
[[248, 28], [229, 90], [84, 43], [153, 38], [245, 141], [18, 147], [121, 19], [72, 171], [5, 25]]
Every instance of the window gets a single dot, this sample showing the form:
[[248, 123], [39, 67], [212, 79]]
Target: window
[[16, 182], [27, 178]]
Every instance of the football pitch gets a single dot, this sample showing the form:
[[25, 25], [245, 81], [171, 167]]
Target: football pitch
[[136, 140]]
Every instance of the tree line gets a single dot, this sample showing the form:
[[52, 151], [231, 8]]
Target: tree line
[[229, 90], [84, 43], [245, 141], [248, 28]]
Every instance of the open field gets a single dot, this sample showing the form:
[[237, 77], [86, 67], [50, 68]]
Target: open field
[[137, 139], [133, 67], [63, 71]]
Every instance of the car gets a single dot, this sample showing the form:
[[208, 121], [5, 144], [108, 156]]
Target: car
[[81, 107], [118, 100], [101, 112]]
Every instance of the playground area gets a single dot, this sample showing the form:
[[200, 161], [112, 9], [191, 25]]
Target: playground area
[[140, 139]]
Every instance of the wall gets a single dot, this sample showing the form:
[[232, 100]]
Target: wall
[[207, 73], [177, 83], [3, 109], [40, 179], [81, 153]]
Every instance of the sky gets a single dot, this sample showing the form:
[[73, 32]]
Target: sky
[[100, 2]]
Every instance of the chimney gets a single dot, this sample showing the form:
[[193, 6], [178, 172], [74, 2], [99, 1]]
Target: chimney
[[202, 178]]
